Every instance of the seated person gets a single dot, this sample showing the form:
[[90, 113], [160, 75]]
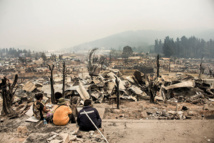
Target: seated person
[[62, 114], [83, 121], [39, 108], [58, 95]]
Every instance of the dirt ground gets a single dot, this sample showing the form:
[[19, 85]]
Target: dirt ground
[[133, 131], [159, 131], [133, 110], [146, 131], [127, 125]]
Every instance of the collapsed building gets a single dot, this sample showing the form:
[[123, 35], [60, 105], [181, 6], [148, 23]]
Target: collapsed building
[[137, 81], [171, 95], [134, 86]]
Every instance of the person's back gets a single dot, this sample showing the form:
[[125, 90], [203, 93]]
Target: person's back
[[57, 95], [37, 110], [38, 107], [62, 114], [83, 121]]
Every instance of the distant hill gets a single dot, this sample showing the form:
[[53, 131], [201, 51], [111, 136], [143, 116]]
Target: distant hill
[[140, 38]]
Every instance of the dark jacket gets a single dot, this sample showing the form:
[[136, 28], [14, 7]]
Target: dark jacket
[[83, 121]]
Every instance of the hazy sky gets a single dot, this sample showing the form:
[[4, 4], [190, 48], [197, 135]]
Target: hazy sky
[[58, 24]]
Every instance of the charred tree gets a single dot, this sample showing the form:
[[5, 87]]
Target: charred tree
[[91, 67], [127, 52], [53, 100], [169, 66], [201, 68], [102, 61], [110, 57], [7, 95], [158, 65], [210, 72], [118, 92], [151, 93], [63, 84]]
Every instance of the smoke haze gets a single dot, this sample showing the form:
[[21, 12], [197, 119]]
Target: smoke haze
[[54, 24]]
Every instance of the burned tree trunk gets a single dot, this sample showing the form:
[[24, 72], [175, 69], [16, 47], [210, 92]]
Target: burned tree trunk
[[7, 95], [118, 92], [201, 68], [110, 57], [169, 66], [151, 93], [53, 100], [63, 84], [91, 66], [6, 104], [210, 72], [158, 65]]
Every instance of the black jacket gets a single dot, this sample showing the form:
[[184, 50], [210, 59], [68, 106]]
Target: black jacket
[[83, 121]]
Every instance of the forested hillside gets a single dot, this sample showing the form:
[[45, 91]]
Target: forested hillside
[[185, 47]]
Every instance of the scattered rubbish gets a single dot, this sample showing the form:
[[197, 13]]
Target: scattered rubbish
[[176, 95], [184, 108], [22, 131], [32, 119]]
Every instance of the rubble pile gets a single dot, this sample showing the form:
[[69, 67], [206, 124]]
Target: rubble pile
[[167, 88], [185, 88], [133, 86], [142, 95], [144, 110]]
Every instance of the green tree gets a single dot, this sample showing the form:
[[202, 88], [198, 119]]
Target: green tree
[[43, 56], [168, 47], [22, 60], [60, 57], [53, 57], [127, 52]]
